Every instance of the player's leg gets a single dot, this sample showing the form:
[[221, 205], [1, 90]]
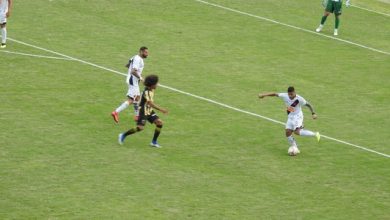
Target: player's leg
[[336, 25], [290, 137], [159, 124], [3, 33], [122, 136], [306, 133], [132, 93], [337, 13], [136, 106], [323, 19], [123, 106], [328, 9], [140, 126], [289, 132]]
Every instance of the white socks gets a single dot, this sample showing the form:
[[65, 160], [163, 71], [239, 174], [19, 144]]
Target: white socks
[[122, 107], [291, 141], [3, 35], [306, 133]]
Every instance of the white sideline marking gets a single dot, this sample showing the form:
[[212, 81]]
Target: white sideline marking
[[196, 96], [294, 27], [370, 10], [34, 55]]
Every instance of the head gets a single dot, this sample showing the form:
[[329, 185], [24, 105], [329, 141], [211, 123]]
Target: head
[[143, 52], [151, 81], [291, 92]]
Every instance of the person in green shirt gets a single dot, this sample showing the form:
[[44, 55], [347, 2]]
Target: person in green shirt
[[332, 6]]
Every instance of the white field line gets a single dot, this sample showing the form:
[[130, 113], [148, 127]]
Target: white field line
[[294, 27], [197, 97], [34, 55], [370, 10]]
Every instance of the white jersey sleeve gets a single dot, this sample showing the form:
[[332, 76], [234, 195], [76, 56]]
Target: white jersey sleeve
[[283, 96], [302, 101]]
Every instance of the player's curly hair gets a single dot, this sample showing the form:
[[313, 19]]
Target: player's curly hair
[[151, 80]]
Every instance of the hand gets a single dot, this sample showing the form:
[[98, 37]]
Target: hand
[[314, 116], [164, 111], [261, 96], [141, 79], [348, 3], [8, 14]]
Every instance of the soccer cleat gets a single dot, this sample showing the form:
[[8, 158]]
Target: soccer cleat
[[336, 32], [318, 136], [121, 138], [115, 115], [3, 46], [319, 29], [155, 144]]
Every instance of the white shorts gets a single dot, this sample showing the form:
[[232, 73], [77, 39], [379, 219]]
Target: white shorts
[[294, 122], [3, 18], [133, 92]]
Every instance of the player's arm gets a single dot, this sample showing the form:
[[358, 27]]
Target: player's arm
[[135, 73], [8, 14], [314, 115], [262, 95], [163, 110]]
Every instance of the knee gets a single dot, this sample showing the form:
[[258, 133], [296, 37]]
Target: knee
[[140, 128], [159, 123], [297, 132], [288, 133]]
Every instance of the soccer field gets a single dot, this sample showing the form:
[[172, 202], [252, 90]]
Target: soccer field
[[224, 152]]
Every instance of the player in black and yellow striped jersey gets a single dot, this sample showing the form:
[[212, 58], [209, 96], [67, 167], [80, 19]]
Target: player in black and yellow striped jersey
[[146, 112]]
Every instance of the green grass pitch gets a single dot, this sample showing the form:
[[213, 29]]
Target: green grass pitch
[[59, 156]]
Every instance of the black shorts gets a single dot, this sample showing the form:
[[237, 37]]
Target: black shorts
[[150, 118]]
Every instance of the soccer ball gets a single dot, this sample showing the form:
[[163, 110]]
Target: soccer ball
[[293, 151]]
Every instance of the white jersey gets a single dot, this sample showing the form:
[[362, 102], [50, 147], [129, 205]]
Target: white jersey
[[3, 6], [136, 62], [294, 106]]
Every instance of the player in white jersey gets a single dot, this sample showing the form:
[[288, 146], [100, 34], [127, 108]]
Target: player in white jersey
[[294, 122], [5, 12], [134, 77]]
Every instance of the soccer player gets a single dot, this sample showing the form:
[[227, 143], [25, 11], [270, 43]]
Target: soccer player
[[294, 123], [134, 76], [146, 112], [5, 12], [332, 6]]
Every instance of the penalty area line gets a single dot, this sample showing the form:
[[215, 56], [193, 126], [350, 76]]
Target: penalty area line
[[197, 97], [370, 10], [34, 55]]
